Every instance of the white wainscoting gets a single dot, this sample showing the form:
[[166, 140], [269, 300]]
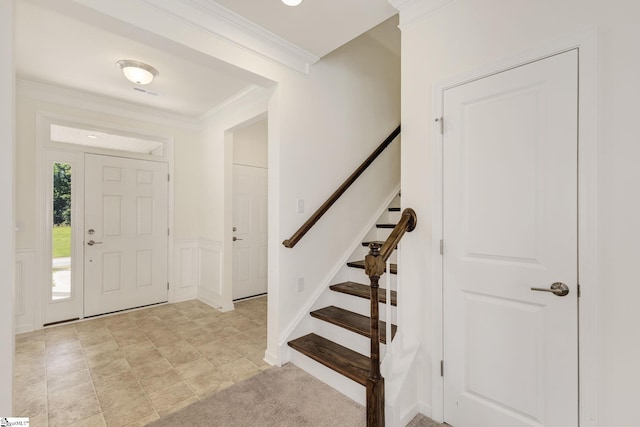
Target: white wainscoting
[[185, 284], [24, 297], [210, 278], [199, 273]]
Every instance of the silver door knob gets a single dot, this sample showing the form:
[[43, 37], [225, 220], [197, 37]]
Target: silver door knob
[[235, 238], [557, 288], [92, 242]]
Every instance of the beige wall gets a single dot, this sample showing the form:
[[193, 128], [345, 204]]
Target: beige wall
[[7, 168], [466, 35], [250, 145]]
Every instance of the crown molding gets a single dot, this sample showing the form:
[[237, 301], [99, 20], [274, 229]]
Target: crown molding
[[216, 20], [86, 101], [251, 95], [413, 10]]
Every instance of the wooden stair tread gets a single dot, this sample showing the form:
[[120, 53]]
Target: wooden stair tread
[[347, 362], [364, 291], [385, 225], [351, 321], [360, 264]]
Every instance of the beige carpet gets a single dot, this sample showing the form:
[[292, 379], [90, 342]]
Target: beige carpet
[[283, 397], [422, 421]]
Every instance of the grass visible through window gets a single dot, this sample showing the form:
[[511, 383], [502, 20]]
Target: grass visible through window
[[61, 242]]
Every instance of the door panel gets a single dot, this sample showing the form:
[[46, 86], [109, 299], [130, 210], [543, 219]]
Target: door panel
[[250, 222], [126, 209], [510, 223]]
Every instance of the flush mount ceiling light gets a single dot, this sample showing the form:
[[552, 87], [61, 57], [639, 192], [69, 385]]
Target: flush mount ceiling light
[[292, 2], [137, 72]]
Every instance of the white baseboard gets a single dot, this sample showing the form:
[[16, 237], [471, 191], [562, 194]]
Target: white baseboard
[[271, 359]]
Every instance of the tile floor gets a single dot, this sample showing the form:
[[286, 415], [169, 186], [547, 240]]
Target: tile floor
[[132, 368]]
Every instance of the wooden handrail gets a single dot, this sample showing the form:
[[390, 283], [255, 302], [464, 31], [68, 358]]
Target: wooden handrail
[[406, 224], [374, 266], [295, 238]]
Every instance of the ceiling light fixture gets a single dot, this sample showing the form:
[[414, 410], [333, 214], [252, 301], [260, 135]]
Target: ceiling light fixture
[[137, 72], [292, 2]]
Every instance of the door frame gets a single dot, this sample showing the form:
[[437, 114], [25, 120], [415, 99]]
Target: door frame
[[44, 119], [586, 42], [252, 115]]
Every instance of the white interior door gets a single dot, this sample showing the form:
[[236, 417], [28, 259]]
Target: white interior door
[[250, 231], [126, 229], [510, 224]]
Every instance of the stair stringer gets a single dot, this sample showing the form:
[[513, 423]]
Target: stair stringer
[[290, 331]]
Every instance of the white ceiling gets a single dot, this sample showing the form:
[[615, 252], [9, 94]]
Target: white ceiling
[[317, 26], [62, 43]]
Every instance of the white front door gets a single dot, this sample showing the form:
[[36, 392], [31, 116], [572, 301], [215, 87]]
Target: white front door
[[510, 224], [250, 231], [125, 237]]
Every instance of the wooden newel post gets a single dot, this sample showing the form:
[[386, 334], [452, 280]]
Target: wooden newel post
[[374, 268]]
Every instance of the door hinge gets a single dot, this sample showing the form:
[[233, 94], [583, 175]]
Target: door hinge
[[441, 247], [579, 291], [442, 368], [440, 121], [167, 285], [168, 177], [168, 231]]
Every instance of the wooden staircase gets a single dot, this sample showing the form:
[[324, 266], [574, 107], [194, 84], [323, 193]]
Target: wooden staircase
[[339, 358], [352, 364], [333, 355]]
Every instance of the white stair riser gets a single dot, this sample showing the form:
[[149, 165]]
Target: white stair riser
[[360, 305], [358, 275], [345, 338], [344, 385], [394, 217]]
